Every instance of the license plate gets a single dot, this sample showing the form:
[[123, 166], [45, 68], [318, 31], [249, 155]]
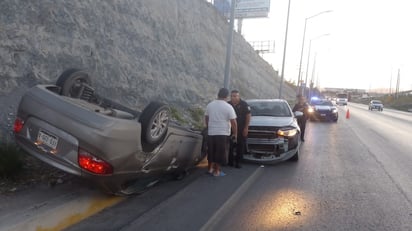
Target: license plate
[[322, 114], [47, 139]]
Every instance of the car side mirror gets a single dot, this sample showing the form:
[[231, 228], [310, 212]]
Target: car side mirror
[[298, 113]]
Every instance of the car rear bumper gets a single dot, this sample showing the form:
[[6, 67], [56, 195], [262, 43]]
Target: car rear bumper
[[375, 107], [324, 116], [63, 156]]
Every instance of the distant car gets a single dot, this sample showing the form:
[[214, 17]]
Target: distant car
[[70, 127], [342, 99], [274, 134], [323, 110], [375, 105]]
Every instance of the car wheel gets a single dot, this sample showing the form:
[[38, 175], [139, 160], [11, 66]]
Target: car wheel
[[295, 157], [180, 175], [155, 121], [72, 82]]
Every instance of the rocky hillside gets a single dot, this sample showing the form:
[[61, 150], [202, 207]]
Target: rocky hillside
[[137, 51]]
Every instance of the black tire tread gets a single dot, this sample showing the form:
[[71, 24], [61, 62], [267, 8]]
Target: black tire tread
[[66, 75], [146, 121]]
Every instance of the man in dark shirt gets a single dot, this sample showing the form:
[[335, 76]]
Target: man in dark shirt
[[242, 110], [302, 106]]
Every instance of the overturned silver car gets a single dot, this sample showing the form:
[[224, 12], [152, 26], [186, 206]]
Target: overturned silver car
[[274, 134], [69, 126]]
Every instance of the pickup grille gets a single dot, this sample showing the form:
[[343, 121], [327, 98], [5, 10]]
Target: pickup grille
[[264, 132], [263, 128], [262, 135]]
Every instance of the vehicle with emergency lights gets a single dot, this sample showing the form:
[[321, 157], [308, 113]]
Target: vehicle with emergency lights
[[323, 110]]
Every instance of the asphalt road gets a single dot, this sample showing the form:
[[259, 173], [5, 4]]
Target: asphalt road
[[352, 175]]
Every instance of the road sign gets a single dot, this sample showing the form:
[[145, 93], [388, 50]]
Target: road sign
[[252, 8], [244, 8]]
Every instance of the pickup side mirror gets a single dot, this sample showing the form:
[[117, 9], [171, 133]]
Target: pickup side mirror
[[298, 113]]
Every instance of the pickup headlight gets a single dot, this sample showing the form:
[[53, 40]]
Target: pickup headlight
[[310, 110], [287, 133], [334, 110]]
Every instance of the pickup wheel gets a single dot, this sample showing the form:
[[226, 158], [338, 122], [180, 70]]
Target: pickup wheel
[[72, 81], [155, 121]]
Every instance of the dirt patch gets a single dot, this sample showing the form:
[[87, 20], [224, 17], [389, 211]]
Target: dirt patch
[[34, 172]]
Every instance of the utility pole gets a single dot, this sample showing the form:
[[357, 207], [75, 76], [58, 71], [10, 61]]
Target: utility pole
[[398, 83], [284, 52], [307, 69], [239, 25], [312, 78], [229, 45], [390, 84]]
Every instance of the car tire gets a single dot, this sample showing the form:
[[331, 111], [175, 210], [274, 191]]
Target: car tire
[[71, 82], [155, 121], [295, 157], [180, 175]]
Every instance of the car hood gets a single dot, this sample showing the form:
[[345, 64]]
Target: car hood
[[271, 121], [323, 107]]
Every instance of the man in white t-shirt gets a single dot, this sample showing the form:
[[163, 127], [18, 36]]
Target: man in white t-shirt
[[220, 120]]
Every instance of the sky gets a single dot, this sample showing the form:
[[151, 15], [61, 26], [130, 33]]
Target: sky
[[360, 44]]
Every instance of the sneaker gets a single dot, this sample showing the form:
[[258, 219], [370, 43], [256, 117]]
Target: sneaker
[[220, 174]]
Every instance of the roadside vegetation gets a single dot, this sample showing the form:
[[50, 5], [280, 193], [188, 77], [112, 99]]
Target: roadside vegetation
[[403, 103], [190, 117]]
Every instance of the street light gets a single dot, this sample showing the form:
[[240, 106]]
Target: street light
[[307, 64], [303, 44]]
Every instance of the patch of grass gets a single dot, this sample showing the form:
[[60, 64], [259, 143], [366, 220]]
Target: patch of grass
[[176, 115], [11, 162], [192, 118], [197, 115]]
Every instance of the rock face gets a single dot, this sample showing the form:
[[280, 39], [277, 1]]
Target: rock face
[[137, 51]]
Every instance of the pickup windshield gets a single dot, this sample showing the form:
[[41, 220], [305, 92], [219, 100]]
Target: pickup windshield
[[269, 108]]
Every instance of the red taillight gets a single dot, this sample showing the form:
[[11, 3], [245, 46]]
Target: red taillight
[[93, 164], [18, 125]]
